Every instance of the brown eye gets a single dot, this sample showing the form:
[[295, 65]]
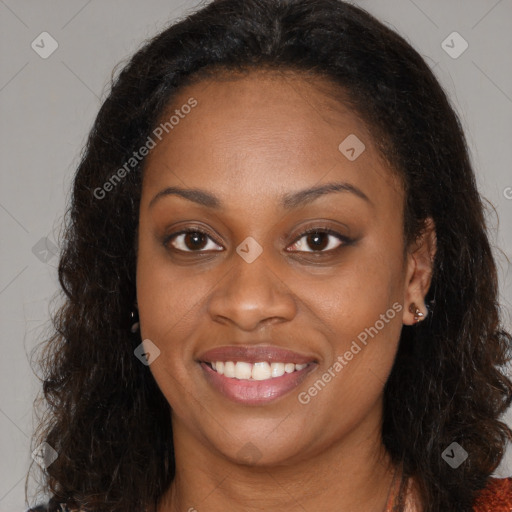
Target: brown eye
[[319, 240], [192, 241]]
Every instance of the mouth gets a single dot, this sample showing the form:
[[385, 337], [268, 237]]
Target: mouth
[[255, 375]]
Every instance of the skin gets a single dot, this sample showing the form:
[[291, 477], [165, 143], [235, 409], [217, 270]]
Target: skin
[[250, 140]]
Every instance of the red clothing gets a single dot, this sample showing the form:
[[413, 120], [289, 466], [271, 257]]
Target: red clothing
[[496, 497]]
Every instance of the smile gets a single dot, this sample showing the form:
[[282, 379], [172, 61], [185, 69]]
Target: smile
[[255, 375], [243, 370]]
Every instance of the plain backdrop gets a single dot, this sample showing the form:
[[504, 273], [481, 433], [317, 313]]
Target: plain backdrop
[[48, 106]]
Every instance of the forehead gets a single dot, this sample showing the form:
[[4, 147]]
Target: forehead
[[265, 132]]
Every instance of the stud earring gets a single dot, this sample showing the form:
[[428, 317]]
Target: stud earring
[[415, 310], [135, 321]]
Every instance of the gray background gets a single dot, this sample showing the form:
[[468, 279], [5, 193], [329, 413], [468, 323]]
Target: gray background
[[48, 106]]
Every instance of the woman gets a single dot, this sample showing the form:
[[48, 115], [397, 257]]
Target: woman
[[280, 293]]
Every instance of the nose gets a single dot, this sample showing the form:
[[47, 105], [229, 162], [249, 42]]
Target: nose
[[252, 294]]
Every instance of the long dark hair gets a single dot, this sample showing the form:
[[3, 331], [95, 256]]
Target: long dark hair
[[107, 418]]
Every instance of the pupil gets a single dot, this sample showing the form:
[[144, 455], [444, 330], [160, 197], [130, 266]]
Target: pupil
[[315, 240], [195, 240]]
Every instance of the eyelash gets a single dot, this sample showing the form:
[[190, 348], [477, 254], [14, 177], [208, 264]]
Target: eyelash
[[316, 230]]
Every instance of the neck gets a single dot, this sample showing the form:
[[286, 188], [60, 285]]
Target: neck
[[347, 476]]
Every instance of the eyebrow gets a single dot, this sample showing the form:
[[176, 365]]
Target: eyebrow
[[288, 201]]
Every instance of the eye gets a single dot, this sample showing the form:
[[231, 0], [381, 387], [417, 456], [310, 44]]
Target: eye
[[191, 240], [318, 239]]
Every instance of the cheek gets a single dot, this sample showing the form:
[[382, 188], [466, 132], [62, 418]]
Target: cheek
[[365, 286], [363, 313], [167, 295], [172, 304], [167, 311]]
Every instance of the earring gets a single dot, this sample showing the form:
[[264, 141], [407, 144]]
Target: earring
[[415, 310], [135, 321]]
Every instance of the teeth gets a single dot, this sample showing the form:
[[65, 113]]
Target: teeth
[[243, 370], [229, 369], [277, 369], [261, 371], [289, 367], [256, 371]]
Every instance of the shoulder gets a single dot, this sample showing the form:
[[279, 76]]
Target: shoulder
[[496, 497]]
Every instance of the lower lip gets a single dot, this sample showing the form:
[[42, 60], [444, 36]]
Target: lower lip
[[256, 392]]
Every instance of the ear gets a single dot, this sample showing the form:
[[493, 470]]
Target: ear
[[419, 267]]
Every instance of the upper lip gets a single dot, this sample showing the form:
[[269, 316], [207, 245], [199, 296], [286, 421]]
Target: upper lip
[[254, 354]]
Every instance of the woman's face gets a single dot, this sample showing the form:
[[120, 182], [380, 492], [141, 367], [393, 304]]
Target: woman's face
[[253, 158]]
